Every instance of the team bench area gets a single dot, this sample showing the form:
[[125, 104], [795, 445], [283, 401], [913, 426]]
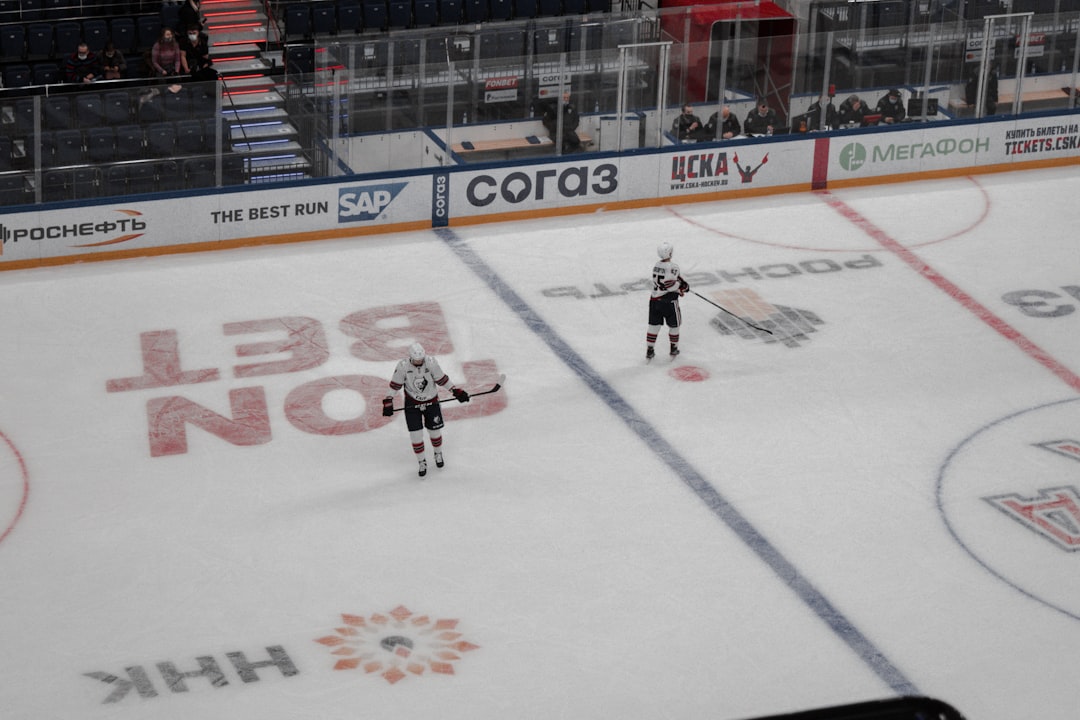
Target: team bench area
[[1054, 97], [1032, 100], [507, 147]]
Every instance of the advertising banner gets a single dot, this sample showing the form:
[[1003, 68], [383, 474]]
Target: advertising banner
[[932, 147], [696, 169], [226, 218], [575, 183]]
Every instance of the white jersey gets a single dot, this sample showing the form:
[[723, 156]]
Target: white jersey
[[665, 278], [421, 383]]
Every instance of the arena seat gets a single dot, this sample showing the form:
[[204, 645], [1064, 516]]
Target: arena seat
[[129, 142], [89, 110], [375, 14], [12, 43], [46, 73], [324, 18], [399, 14], [16, 76], [425, 13], [116, 105], [101, 144], [348, 16], [39, 41], [67, 35], [122, 32]]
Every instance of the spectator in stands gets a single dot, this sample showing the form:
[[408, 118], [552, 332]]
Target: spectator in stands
[[82, 65], [166, 57], [113, 64], [890, 107], [196, 60], [852, 111], [687, 125], [729, 126], [570, 142], [761, 120], [813, 114], [190, 14]]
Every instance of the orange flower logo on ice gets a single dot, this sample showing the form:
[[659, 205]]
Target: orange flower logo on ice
[[397, 644]]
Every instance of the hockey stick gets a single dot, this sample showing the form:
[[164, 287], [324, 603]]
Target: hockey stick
[[494, 388], [756, 327]]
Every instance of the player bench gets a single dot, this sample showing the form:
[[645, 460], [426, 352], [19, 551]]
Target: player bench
[[1050, 98], [1055, 97], [506, 147]]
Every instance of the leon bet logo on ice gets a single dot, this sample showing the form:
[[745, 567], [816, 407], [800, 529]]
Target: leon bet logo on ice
[[357, 204]]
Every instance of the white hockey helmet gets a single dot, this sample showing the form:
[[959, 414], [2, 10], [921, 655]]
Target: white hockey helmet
[[665, 250], [417, 354]]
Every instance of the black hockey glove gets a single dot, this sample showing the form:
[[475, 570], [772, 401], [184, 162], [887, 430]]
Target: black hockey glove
[[684, 287], [460, 395], [388, 406]]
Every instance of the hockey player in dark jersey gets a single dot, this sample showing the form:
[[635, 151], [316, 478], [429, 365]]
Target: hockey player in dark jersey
[[667, 287], [421, 377]]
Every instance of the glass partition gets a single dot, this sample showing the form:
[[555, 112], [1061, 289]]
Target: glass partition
[[464, 94]]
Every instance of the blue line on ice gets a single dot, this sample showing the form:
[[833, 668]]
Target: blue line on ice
[[720, 507]]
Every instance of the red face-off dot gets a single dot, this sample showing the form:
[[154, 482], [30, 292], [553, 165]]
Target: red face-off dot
[[689, 373]]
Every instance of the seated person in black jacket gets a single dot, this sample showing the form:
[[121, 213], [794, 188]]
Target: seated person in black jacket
[[687, 125], [890, 107], [570, 119], [761, 120], [729, 126], [851, 111], [813, 115]]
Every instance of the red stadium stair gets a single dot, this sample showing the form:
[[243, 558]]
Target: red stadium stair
[[241, 39]]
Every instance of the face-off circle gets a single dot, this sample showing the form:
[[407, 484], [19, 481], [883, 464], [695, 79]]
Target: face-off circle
[[14, 486], [1010, 496], [689, 373]]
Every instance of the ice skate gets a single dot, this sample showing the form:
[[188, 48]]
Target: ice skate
[[674, 351], [438, 459], [423, 467], [650, 353]]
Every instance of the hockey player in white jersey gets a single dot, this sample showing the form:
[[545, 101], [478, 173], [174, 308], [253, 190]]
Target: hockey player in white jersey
[[667, 287], [421, 377]]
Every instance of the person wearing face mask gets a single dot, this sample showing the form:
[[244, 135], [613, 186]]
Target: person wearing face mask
[[113, 64], [82, 65], [197, 61], [890, 107], [166, 57]]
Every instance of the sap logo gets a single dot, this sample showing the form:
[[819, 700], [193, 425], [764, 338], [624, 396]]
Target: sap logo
[[366, 203]]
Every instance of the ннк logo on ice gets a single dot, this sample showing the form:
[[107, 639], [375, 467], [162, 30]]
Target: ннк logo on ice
[[366, 203]]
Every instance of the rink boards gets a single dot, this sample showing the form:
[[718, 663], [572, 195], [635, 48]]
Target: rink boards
[[64, 233]]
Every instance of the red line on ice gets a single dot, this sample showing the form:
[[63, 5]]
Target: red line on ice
[[26, 487], [971, 304]]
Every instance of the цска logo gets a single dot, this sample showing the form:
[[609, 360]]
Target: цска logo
[[357, 204]]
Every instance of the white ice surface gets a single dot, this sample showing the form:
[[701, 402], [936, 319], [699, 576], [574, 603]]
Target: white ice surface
[[612, 541]]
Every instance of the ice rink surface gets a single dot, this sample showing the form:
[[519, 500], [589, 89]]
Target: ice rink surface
[[204, 515]]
